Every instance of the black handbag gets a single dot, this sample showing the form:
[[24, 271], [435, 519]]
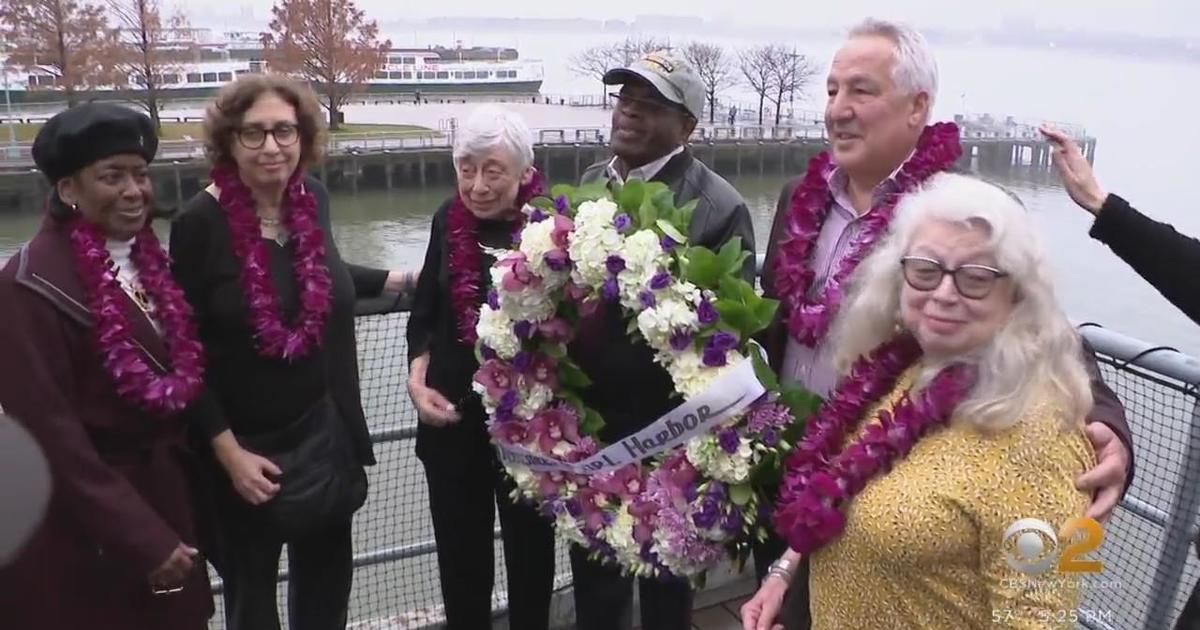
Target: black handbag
[[322, 482]]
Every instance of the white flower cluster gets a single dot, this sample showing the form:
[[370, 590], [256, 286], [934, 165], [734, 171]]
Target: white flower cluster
[[594, 239], [706, 454], [528, 304], [495, 330], [536, 242]]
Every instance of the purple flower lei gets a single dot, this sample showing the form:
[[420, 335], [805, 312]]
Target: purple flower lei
[[820, 477], [137, 382], [466, 258], [274, 338], [809, 316]]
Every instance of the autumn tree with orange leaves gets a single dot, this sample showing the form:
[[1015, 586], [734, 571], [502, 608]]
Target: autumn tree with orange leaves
[[148, 56], [330, 43], [70, 41]]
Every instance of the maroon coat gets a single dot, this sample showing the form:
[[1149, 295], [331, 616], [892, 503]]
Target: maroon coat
[[121, 500]]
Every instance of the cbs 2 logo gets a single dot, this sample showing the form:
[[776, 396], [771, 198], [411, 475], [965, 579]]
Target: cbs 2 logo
[[1032, 546]]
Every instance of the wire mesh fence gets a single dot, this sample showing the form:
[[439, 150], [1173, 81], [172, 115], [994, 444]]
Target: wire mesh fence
[[1147, 557], [1148, 570], [396, 574]]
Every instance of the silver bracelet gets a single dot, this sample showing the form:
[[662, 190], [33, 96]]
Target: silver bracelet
[[781, 568]]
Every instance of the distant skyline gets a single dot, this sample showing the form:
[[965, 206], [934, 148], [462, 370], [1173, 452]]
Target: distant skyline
[[1163, 18]]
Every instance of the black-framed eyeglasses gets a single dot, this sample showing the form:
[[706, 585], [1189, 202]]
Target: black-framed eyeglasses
[[972, 281], [254, 137], [653, 106]]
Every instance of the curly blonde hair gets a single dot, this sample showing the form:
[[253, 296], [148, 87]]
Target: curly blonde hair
[[224, 116]]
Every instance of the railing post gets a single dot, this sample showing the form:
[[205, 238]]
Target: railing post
[[1176, 538]]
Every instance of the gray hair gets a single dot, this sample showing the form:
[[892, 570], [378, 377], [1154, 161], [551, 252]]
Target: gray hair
[[489, 127], [916, 69], [1035, 352]]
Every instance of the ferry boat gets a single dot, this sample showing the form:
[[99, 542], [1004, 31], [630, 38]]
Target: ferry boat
[[206, 63]]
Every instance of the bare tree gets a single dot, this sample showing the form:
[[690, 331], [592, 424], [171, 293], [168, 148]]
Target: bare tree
[[69, 42], [149, 57], [595, 61], [789, 72], [330, 43], [755, 64], [714, 68]]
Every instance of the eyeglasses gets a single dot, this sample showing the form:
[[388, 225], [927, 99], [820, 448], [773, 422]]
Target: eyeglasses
[[653, 106], [254, 137], [974, 282]]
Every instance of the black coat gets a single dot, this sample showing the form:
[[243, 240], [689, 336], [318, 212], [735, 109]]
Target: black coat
[[1165, 258], [253, 394]]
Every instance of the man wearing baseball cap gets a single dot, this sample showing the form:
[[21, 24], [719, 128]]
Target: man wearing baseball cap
[[660, 100]]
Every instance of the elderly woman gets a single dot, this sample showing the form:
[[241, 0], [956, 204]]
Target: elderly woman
[[275, 307], [493, 158], [960, 413], [99, 358]]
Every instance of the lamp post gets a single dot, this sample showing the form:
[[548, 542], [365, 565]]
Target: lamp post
[[12, 126]]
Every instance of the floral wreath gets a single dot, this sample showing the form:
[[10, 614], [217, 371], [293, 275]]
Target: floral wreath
[[704, 494]]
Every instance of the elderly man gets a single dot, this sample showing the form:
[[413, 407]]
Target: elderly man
[[659, 102], [881, 86]]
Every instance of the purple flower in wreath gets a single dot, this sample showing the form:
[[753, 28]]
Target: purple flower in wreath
[[493, 300], [646, 298], [557, 260], [717, 346], [660, 281], [625, 482], [766, 415], [509, 432], [708, 514], [681, 340], [573, 507], [622, 222], [487, 353], [498, 379], [668, 244], [729, 440], [522, 361], [561, 204], [537, 216], [543, 368], [508, 402], [615, 264], [561, 235], [707, 313], [611, 290], [770, 437], [555, 425], [556, 330], [523, 329]]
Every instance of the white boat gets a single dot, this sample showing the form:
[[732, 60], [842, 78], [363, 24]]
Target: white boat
[[207, 62]]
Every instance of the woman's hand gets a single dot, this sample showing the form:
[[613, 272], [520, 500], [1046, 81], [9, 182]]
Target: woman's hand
[[1074, 171], [432, 407], [175, 569], [762, 610], [248, 471]]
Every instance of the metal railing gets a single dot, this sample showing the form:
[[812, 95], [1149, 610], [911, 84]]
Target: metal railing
[[1149, 568]]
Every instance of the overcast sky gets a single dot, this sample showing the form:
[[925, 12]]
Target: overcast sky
[[1153, 17]]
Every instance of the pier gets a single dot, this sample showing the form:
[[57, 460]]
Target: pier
[[381, 161]]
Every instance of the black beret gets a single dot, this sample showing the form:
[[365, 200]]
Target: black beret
[[88, 133]]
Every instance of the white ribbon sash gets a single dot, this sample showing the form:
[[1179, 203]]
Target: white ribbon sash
[[724, 398]]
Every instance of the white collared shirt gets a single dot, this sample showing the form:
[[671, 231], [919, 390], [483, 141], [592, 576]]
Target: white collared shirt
[[645, 172]]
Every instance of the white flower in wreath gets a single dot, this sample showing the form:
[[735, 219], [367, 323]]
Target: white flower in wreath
[[536, 242], [667, 317], [567, 527], [619, 535], [595, 239], [532, 305], [706, 454], [525, 480], [535, 399], [643, 254], [495, 330]]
